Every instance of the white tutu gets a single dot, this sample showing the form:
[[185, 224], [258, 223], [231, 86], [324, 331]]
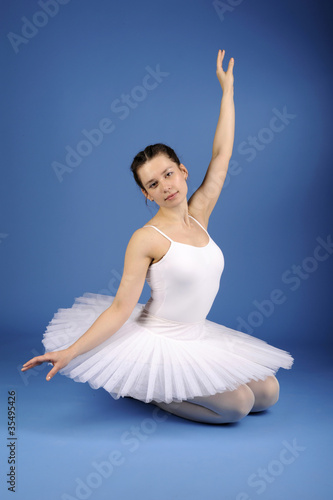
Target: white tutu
[[152, 358]]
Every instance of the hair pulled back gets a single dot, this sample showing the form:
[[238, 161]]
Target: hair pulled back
[[149, 153]]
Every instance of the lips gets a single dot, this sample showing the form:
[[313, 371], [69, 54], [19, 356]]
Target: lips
[[171, 196]]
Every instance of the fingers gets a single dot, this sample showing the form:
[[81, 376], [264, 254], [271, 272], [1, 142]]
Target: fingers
[[37, 360], [51, 373], [231, 65], [220, 57]]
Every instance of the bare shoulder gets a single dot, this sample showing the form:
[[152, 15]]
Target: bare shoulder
[[143, 242]]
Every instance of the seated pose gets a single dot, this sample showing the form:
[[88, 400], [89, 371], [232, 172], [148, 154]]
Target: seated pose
[[166, 352]]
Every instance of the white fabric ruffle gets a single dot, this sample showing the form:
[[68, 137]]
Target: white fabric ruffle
[[151, 358]]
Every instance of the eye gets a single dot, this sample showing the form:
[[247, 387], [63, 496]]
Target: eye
[[153, 185], [169, 173]]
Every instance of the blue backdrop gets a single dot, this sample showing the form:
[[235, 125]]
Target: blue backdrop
[[88, 84]]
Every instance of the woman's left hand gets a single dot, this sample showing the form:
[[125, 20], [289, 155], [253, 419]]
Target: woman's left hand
[[226, 79]]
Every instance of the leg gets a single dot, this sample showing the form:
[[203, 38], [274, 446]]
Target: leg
[[191, 411], [220, 408], [266, 393]]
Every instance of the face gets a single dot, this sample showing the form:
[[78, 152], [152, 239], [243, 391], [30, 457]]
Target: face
[[164, 181]]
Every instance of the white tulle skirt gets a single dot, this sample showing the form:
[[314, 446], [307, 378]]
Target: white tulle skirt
[[151, 358]]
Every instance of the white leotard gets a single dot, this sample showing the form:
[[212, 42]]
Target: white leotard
[[184, 283]]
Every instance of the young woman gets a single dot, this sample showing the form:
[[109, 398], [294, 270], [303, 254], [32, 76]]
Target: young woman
[[166, 352]]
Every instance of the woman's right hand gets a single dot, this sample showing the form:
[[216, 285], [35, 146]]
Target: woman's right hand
[[59, 359]]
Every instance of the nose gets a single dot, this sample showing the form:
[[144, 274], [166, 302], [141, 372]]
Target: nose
[[166, 186]]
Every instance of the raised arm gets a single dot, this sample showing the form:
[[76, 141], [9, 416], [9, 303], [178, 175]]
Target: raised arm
[[203, 200], [137, 260]]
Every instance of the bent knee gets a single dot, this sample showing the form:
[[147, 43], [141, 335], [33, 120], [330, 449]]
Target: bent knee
[[268, 392], [271, 391], [240, 402], [243, 401]]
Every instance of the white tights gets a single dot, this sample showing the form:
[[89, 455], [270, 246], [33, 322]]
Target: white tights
[[229, 406]]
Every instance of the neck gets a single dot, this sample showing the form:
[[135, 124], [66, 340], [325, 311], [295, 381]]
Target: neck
[[177, 215]]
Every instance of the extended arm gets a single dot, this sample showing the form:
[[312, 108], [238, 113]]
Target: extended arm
[[205, 197], [137, 260]]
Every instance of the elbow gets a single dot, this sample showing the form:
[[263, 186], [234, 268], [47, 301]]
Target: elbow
[[123, 309]]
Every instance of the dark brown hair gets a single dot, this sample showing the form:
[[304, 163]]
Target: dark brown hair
[[149, 153]]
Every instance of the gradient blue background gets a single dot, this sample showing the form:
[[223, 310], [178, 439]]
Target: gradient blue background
[[61, 239], [65, 238]]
